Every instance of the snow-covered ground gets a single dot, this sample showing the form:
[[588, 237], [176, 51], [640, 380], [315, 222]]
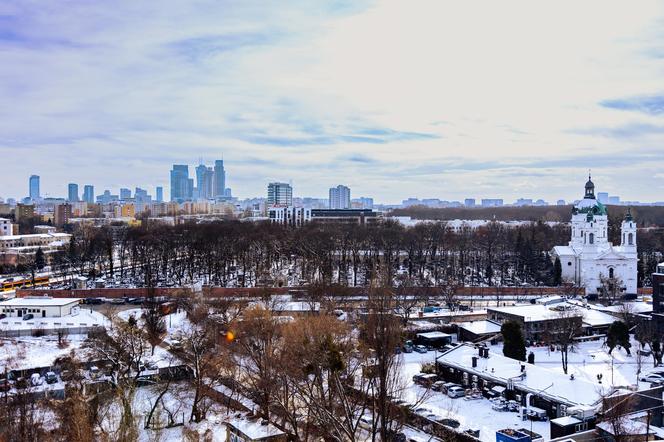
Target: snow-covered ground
[[32, 352]]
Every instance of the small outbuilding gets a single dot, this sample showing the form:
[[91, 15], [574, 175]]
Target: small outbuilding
[[435, 339]]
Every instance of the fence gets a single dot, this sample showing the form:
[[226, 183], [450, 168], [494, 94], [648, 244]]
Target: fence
[[38, 331]]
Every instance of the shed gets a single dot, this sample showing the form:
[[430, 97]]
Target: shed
[[434, 339]]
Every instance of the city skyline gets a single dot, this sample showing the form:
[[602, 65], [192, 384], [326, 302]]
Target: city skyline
[[437, 105]]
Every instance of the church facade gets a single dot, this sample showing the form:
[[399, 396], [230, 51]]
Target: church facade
[[590, 257]]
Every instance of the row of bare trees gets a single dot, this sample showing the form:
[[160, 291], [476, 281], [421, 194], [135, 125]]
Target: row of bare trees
[[248, 254]]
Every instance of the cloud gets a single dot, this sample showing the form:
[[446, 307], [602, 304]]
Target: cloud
[[392, 98], [652, 105]]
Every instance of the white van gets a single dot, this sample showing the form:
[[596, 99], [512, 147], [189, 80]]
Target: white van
[[456, 391]]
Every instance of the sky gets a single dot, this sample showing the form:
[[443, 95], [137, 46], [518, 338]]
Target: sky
[[396, 99]]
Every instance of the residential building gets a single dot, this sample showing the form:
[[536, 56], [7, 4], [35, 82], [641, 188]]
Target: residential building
[[590, 259], [492, 202], [339, 197], [614, 200], [603, 197], [34, 187], [345, 216], [6, 227], [89, 193], [469, 202], [62, 213], [289, 216], [159, 194], [72, 192], [362, 203], [279, 194], [24, 211], [107, 197], [125, 194]]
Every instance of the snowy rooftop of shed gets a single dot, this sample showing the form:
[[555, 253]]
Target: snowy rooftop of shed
[[39, 301]]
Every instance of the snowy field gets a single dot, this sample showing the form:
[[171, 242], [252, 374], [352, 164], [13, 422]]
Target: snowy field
[[31, 352]]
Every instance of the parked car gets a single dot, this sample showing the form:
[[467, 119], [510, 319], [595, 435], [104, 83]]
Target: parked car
[[5, 385], [36, 380], [455, 392], [51, 377], [28, 317], [653, 378], [425, 379], [420, 349], [117, 301], [446, 386], [408, 347], [94, 301], [452, 423], [438, 385]]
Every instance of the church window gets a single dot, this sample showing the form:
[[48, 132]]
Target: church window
[[630, 239], [611, 272], [569, 263], [591, 239]]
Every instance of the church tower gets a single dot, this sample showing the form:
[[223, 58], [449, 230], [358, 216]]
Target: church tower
[[628, 233]]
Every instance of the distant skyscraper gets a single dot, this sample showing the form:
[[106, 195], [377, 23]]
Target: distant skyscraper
[[219, 179], [181, 184], [89, 194], [204, 182], [73, 192], [160, 194], [279, 194], [603, 197], [141, 195], [34, 187], [125, 194], [340, 197], [469, 202]]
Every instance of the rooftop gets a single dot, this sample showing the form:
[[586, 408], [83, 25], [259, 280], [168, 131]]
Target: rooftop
[[39, 301], [480, 327], [531, 312], [542, 381]]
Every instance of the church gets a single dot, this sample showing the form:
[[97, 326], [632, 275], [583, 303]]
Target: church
[[590, 256]]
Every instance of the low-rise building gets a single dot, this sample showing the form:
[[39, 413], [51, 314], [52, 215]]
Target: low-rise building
[[40, 307], [245, 430]]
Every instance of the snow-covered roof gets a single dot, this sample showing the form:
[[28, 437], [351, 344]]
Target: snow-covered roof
[[542, 381], [480, 327], [566, 421], [433, 335], [39, 301], [596, 318], [564, 251], [631, 307], [254, 429], [532, 312]]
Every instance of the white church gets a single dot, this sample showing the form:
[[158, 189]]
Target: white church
[[590, 256]]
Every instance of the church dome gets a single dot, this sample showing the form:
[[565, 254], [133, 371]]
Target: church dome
[[589, 204]]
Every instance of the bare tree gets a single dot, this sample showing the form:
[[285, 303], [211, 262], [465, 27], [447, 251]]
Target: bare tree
[[562, 331]]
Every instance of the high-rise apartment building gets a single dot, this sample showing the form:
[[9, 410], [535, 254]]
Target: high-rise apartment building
[[204, 182], [159, 194], [34, 187], [62, 214], [24, 211], [181, 184], [125, 194], [279, 194], [89, 193], [339, 197], [73, 192], [219, 179]]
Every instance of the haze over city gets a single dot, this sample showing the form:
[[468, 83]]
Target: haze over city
[[396, 100]]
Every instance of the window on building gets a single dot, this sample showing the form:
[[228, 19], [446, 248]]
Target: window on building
[[591, 238], [569, 263], [611, 272], [630, 239]]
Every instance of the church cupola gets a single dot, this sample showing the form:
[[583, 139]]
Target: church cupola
[[590, 189], [628, 232]]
